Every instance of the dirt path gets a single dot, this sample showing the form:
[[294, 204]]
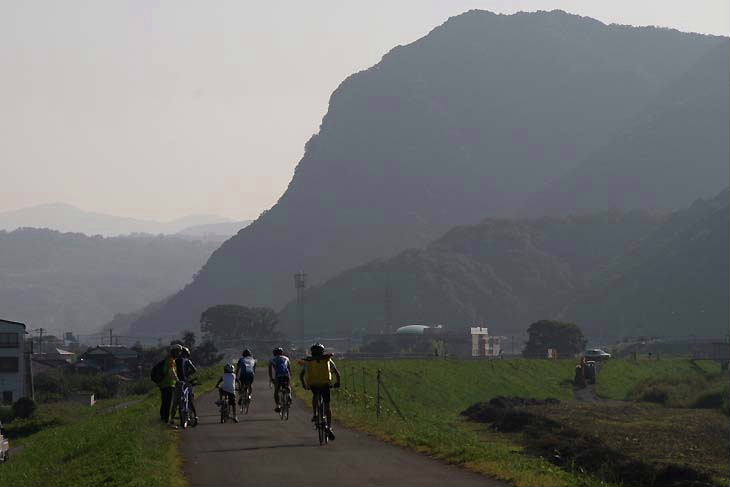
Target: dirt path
[[587, 394], [263, 450]]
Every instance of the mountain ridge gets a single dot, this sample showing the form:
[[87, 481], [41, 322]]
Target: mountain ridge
[[64, 217], [439, 133]]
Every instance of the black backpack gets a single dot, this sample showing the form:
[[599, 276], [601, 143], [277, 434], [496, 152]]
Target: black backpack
[[157, 374]]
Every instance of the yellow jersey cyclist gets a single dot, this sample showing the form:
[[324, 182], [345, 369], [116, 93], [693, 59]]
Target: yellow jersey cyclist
[[316, 375]]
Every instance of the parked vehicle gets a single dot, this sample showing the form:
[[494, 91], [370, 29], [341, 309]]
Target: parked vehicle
[[596, 354]]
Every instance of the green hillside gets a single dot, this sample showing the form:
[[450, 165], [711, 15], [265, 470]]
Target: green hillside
[[506, 273], [675, 282]]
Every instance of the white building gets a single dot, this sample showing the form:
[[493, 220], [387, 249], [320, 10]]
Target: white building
[[482, 345], [12, 361]]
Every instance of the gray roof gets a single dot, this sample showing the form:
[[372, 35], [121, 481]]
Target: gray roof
[[12, 322]]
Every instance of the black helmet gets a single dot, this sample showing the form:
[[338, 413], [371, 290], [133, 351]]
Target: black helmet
[[185, 352], [278, 351], [317, 349], [246, 353], [176, 349]]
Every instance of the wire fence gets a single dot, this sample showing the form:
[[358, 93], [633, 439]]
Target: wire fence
[[361, 387]]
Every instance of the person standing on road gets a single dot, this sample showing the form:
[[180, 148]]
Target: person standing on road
[[279, 373], [168, 382], [185, 370], [246, 374]]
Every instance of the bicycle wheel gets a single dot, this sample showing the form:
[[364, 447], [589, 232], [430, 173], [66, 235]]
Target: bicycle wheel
[[321, 421], [282, 403]]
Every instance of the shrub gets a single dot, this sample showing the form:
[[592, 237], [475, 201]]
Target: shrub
[[6, 414], [655, 394], [710, 400], [24, 408]]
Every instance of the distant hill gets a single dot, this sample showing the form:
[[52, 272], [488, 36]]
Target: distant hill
[[214, 230], [68, 218], [676, 282], [69, 281], [465, 122], [503, 273]]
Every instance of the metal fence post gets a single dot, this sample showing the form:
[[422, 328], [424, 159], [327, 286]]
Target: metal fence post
[[377, 400], [352, 373]]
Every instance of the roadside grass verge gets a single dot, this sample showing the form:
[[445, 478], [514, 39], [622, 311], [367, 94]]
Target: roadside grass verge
[[679, 383], [431, 393], [115, 442], [79, 445]]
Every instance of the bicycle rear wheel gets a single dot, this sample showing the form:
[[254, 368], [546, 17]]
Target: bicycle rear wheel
[[321, 422]]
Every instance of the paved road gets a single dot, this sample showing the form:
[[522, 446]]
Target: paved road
[[264, 451]]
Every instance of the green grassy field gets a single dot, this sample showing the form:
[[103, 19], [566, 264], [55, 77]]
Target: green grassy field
[[432, 393], [672, 382], [70, 444]]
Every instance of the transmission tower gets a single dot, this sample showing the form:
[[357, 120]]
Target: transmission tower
[[300, 283]]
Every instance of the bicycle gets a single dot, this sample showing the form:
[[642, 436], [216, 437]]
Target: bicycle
[[320, 420], [245, 400], [185, 403], [225, 407], [284, 401]]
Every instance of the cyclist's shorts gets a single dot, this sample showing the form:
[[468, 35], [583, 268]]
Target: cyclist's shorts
[[229, 396], [282, 381], [247, 378], [323, 390]]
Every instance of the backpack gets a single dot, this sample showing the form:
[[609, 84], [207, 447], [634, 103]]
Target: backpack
[[157, 374], [318, 372]]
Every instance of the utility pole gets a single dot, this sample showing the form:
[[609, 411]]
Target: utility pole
[[388, 306], [110, 337], [40, 340], [300, 283]]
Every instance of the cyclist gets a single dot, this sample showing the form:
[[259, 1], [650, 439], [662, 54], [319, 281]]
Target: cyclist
[[186, 369], [227, 392], [279, 373], [316, 375], [246, 373]]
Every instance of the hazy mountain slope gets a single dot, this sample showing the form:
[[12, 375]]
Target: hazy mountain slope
[[212, 230], [67, 218], [461, 123], [676, 282], [68, 281], [674, 152], [506, 273]]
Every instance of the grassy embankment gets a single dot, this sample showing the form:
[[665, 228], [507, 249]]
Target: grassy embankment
[[673, 383], [71, 444], [432, 393]]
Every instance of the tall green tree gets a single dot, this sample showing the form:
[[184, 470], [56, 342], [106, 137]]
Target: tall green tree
[[566, 338]]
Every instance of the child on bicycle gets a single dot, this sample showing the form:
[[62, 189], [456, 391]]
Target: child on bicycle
[[316, 375], [227, 391]]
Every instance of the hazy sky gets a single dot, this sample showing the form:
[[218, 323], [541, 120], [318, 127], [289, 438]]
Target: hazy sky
[[157, 109]]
